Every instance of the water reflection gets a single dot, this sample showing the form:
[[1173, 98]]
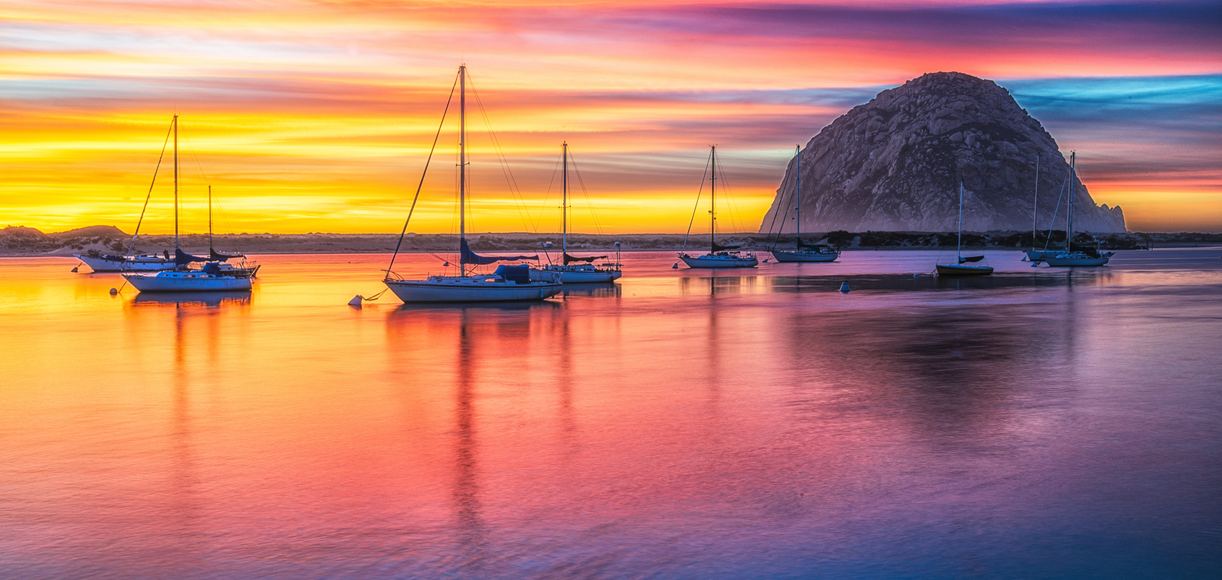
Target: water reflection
[[726, 424], [206, 299]]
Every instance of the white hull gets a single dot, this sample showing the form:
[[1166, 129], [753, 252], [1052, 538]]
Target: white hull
[[132, 264], [575, 275], [719, 261], [1076, 260], [186, 281], [460, 289], [800, 256]]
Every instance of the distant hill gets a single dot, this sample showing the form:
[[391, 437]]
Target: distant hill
[[895, 163]]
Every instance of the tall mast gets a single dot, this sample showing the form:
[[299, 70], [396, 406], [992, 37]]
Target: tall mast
[[713, 205], [797, 196], [1035, 205], [176, 182], [210, 249], [1073, 189], [564, 210], [959, 244], [462, 168]]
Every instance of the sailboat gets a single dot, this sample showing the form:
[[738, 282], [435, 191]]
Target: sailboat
[[182, 278], [964, 265], [574, 269], [507, 283], [243, 269], [1035, 255], [107, 262], [719, 256], [803, 252], [1070, 258]]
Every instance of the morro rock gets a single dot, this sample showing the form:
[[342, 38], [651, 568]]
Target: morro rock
[[895, 163]]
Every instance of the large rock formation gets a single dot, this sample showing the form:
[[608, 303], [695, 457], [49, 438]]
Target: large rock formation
[[895, 163]]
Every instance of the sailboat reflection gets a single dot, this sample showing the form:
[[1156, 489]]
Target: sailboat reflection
[[207, 299]]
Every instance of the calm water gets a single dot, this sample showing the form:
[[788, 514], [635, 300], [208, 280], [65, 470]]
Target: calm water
[[1038, 423]]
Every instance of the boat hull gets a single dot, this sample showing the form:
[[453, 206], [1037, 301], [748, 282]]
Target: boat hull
[[718, 261], [575, 276], [964, 270], [100, 264], [1076, 260], [240, 271], [1038, 256], [456, 290], [805, 257], [189, 281]]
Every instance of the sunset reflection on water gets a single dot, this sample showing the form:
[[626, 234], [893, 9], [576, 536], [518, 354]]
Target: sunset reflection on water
[[681, 423]]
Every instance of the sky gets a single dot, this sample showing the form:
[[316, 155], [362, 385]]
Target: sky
[[316, 115]]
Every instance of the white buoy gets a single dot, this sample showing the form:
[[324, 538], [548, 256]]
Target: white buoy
[[356, 301], [114, 291], [844, 287]]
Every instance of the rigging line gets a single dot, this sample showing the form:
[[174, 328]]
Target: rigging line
[[1055, 212], [510, 180], [586, 195], [721, 174], [772, 229], [423, 173], [548, 194], [699, 192], [149, 195]]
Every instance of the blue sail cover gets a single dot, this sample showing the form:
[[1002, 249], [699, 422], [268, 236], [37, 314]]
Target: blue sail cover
[[518, 273], [182, 258], [472, 258]]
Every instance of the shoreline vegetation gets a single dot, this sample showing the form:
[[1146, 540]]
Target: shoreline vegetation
[[23, 241]]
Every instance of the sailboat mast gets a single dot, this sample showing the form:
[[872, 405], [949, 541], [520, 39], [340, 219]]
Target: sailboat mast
[[462, 168], [1073, 189], [713, 204], [210, 247], [797, 196], [564, 210], [176, 246], [1035, 204], [959, 244]]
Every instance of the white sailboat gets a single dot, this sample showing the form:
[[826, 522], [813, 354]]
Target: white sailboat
[[964, 265], [101, 262], [209, 278], [1036, 255], [507, 283], [803, 253], [1070, 258], [719, 256], [574, 269]]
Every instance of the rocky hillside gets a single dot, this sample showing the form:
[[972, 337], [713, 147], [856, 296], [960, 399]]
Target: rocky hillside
[[894, 164]]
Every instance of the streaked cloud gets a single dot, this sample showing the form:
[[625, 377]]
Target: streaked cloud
[[314, 115]]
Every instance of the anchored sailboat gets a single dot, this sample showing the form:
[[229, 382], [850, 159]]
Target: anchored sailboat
[[719, 256], [803, 252], [209, 278], [107, 262], [1070, 258], [574, 269], [507, 283], [964, 265], [1036, 255]]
